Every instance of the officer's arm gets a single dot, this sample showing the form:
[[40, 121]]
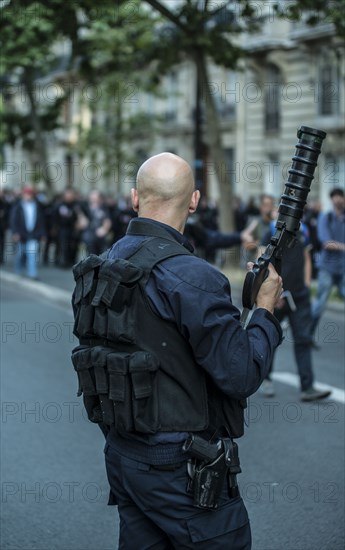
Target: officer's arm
[[237, 360]]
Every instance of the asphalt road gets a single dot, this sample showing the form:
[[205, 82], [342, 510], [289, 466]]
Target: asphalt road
[[53, 481]]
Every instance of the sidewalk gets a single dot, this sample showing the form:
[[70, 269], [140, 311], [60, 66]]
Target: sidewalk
[[57, 284]]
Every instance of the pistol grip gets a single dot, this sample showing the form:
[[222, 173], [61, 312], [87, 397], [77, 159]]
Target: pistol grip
[[252, 284]]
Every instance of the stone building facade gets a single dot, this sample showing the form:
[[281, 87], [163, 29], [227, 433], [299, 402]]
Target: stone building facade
[[293, 74]]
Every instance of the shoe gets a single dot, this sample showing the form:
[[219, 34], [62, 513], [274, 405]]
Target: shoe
[[314, 345], [267, 388], [311, 394]]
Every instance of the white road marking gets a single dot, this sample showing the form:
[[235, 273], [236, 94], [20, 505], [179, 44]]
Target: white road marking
[[293, 380], [52, 293]]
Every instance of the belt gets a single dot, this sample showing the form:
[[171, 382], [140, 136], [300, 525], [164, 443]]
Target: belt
[[167, 467]]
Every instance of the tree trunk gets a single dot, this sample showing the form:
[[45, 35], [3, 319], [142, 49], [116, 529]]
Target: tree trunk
[[226, 220], [118, 144], [214, 134], [40, 146]]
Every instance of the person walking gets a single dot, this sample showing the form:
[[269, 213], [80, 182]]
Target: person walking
[[180, 368], [28, 229], [331, 266], [296, 306]]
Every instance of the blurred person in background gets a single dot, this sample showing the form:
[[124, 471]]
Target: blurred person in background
[[4, 210], [114, 214], [65, 220], [331, 265], [95, 223], [124, 215], [208, 217], [296, 306], [259, 226], [208, 213], [251, 209], [311, 215], [50, 245], [239, 214], [207, 241], [27, 224]]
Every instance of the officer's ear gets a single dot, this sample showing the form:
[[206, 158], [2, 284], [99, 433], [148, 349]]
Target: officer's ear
[[135, 200], [194, 202]]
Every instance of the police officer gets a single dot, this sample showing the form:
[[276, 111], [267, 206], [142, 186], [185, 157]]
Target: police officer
[[186, 301]]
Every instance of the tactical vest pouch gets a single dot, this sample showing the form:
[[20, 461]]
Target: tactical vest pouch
[[143, 367], [118, 388], [116, 285], [81, 359], [85, 277]]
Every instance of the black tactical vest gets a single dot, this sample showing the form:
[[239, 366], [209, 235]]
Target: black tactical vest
[[135, 370]]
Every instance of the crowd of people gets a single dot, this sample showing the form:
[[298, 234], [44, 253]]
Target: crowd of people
[[61, 228], [56, 232]]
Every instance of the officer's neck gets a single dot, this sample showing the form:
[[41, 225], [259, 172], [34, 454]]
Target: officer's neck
[[166, 218]]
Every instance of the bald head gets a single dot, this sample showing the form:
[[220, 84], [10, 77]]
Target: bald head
[[165, 188], [165, 177]]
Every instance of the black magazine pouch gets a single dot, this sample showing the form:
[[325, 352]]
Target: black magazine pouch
[[85, 275], [120, 391], [133, 390], [114, 301], [143, 367], [99, 356], [81, 359]]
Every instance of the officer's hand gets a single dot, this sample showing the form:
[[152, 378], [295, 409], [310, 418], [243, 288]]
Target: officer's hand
[[270, 290]]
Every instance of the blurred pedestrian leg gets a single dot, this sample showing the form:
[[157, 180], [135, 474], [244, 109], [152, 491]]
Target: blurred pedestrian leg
[[326, 281], [30, 249]]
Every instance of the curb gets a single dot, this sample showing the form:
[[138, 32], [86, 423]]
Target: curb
[[52, 293], [63, 297]]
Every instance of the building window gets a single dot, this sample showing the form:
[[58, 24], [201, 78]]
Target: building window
[[333, 172], [272, 87], [331, 175], [273, 184], [172, 97], [227, 96], [329, 89], [230, 169]]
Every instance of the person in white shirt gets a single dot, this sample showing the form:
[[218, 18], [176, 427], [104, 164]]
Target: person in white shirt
[[28, 229]]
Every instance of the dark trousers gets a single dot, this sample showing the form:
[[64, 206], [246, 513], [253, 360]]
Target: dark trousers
[[300, 322], [156, 512], [66, 247]]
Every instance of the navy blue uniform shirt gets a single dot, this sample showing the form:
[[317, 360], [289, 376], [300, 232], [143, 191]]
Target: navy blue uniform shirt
[[194, 295]]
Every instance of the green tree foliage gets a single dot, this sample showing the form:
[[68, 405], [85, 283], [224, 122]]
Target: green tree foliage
[[116, 57], [106, 45], [28, 32], [203, 32], [315, 12]]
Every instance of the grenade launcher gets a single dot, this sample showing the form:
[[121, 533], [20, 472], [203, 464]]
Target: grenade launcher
[[290, 213]]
